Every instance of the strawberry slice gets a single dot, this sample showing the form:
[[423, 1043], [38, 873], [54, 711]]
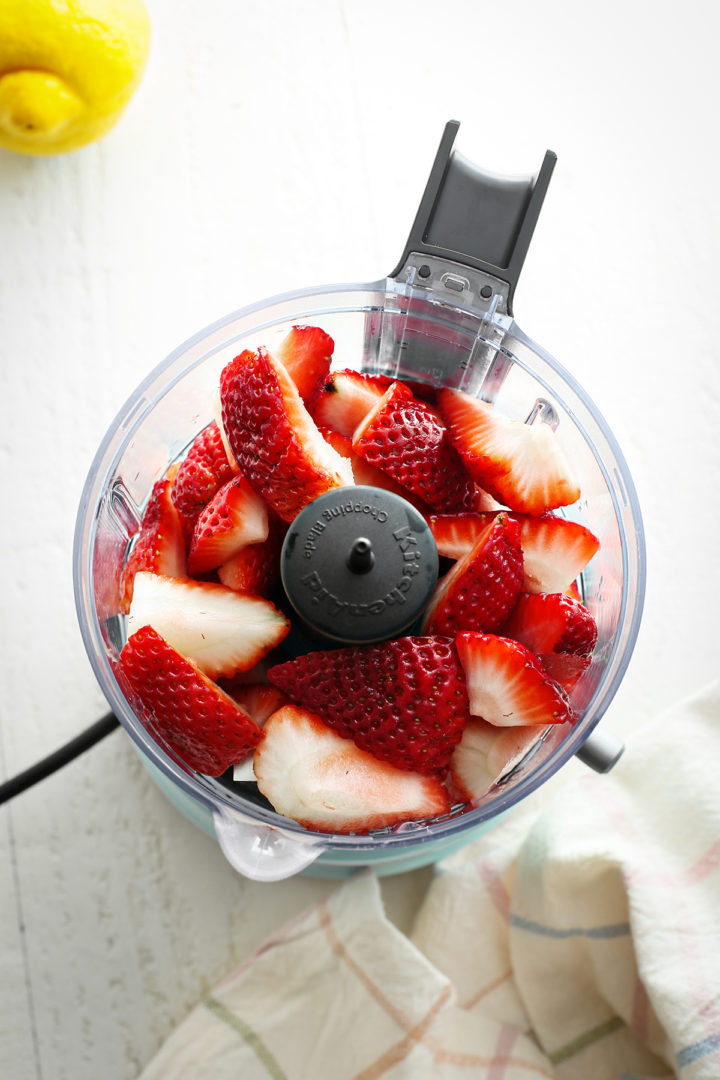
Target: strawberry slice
[[481, 589], [564, 667], [507, 685], [556, 551], [272, 436], [455, 534], [485, 754], [522, 465], [367, 474], [194, 487], [256, 568], [259, 700], [346, 398], [328, 784], [221, 631], [234, 517], [306, 354], [202, 725], [404, 437], [209, 449], [403, 701], [552, 622], [203, 472], [160, 545]]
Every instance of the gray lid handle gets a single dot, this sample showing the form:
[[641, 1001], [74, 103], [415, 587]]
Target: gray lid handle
[[601, 751], [482, 221]]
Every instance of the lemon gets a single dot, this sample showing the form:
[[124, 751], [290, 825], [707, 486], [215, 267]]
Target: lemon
[[67, 70]]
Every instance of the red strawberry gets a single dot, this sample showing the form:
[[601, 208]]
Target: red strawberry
[[403, 437], [507, 685], [259, 700], [203, 472], [481, 589], [256, 568], [486, 753], [221, 631], [306, 354], [455, 534], [552, 622], [272, 436], [193, 489], [160, 546], [201, 724], [346, 399], [522, 465], [209, 449], [403, 701], [565, 668], [556, 551], [327, 784], [234, 517], [367, 474]]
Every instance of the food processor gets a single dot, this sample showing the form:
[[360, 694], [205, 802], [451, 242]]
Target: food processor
[[444, 318]]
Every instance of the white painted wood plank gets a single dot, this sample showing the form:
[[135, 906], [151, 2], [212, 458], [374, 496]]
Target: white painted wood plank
[[18, 1040]]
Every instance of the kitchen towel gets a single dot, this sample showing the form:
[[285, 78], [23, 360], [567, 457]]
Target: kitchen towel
[[578, 942]]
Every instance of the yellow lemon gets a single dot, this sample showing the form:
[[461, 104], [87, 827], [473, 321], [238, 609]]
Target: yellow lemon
[[67, 70]]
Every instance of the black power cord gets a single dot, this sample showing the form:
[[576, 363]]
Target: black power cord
[[65, 754]]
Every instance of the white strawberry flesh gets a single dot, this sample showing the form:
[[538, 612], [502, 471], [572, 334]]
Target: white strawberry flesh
[[486, 753], [522, 465], [221, 631], [327, 784], [507, 686]]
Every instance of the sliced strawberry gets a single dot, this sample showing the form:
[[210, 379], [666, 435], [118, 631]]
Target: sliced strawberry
[[160, 545], [346, 398], [455, 534], [481, 589], [256, 568], [209, 449], [221, 631], [202, 725], [403, 437], [507, 685], [272, 436], [306, 354], [556, 551], [203, 472], [367, 474], [565, 668], [403, 701], [522, 465], [552, 622], [235, 517], [486, 753], [259, 700], [327, 784], [194, 487]]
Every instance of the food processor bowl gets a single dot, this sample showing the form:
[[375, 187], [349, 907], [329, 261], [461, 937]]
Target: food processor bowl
[[416, 324]]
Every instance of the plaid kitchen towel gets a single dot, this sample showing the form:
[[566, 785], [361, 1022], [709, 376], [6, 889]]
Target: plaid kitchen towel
[[580, 941]]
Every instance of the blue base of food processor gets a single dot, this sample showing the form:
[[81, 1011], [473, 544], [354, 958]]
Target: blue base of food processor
[[330, 864]]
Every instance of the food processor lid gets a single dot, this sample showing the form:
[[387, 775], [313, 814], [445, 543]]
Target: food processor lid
[[479, 223], [359, 564]]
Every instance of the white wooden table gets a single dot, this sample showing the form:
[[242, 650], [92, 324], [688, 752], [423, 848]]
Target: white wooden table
[[272, 146]]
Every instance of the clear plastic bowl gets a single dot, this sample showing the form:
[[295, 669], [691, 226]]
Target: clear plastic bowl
[[379, 327]]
